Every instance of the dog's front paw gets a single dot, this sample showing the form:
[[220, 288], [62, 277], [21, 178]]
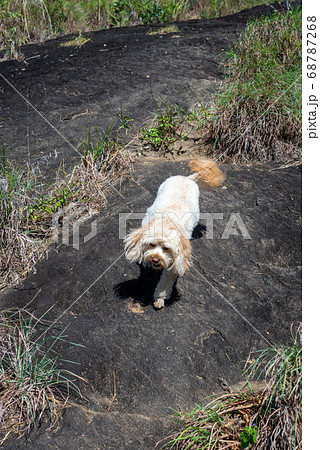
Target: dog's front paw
[[159, 303]]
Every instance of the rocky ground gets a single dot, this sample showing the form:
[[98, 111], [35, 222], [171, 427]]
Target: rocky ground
[[240, 295]]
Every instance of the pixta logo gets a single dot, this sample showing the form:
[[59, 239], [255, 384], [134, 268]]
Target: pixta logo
[[66, 223]]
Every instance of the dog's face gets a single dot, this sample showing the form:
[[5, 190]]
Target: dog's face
[[159, 245], [158, 253]]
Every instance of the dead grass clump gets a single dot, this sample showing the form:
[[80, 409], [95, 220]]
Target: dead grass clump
[[164, 30], [218, 424], [262, 105], [269, 419], [104, 155], [28, 207], [76, 41], [18, 251]]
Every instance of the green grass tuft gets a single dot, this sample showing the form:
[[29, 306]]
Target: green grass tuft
[[32, 384], [257, 114], [267, 418]]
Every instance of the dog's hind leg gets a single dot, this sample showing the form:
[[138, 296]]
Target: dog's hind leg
[[164, 288]]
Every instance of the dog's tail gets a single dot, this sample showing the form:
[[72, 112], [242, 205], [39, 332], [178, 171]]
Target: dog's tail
[[207, 172]]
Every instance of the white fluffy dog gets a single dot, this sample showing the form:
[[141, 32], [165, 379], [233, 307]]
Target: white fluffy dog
[[163, 240]]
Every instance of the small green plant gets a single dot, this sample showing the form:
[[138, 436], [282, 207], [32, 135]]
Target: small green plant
[[17, 250], [121, 13], [97, 145], [201, 117], [125, 122], [248, 436], [152, 12], [32, 382], [218, 423], [48, 204], [166, 129]]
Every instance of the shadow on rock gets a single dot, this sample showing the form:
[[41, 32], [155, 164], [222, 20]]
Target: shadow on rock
[[199, 231], [141, 289]]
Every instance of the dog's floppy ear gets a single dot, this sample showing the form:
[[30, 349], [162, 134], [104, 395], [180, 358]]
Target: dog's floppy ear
[[183, 259], [133, 244]]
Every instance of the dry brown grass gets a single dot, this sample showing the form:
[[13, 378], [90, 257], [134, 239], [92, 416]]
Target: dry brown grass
[[218, 424], [272, 414], [27, 207], [257, 115]]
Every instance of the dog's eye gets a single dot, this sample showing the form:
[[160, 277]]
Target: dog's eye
[[152, 245], [165, 248]]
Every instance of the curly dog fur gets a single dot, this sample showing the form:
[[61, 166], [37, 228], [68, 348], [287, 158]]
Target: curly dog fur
[[163, 240]]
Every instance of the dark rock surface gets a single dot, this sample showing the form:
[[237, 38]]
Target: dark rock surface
[[240, 295], [118, 70]]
